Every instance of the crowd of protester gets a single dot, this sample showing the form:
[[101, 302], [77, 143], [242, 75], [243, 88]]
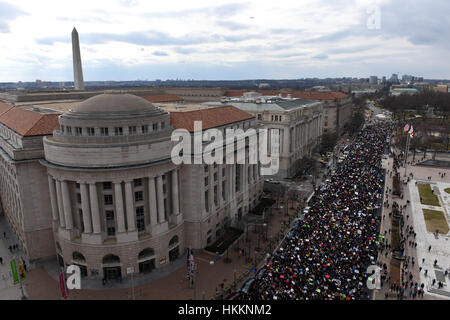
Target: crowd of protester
[[327, 252]]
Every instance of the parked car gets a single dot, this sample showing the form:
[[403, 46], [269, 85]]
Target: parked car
[[247, 285]]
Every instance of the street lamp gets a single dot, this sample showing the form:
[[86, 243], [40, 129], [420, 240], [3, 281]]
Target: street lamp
[[249, 259], [257, 246]]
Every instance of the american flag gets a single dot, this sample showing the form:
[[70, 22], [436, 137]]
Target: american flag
[[411, 132], [406, 128]]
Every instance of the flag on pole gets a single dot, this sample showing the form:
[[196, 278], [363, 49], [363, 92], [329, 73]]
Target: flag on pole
[[406, 128], [411, 132], [62, 285]]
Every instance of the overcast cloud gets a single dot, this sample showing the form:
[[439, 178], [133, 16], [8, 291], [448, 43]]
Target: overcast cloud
[[202, 39]]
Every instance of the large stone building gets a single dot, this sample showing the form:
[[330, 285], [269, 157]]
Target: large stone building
[[299, 122], [337, 106], [104, 192], [24, 190]]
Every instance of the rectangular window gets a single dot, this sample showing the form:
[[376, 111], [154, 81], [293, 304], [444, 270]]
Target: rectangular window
[[238, 177], [155, 127], [206, 200], [137, 182], [215, 176], [215, 196], [108, 199], [78, 131], [107, 185], [144, 129], [138, 196], [140, 220], [223, 189], [80, 215], [62, 129], [77, 185], [132, 130], [259, 116], [118, 131], [91, 131], [110, 223], [206, 181], [69, 130], [78, 198], [104, 131]]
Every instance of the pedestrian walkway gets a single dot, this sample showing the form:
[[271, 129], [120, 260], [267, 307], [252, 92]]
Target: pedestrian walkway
[[9, 291]]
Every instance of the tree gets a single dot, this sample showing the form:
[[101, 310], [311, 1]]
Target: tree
[[329, 140]]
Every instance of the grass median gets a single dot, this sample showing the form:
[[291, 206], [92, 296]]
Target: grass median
[[435, 220], [426, 195]]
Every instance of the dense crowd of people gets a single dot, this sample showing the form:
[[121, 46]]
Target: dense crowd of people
[[326, 254]]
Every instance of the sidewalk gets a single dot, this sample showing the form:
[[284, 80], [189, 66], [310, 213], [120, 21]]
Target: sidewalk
[[9, 291]]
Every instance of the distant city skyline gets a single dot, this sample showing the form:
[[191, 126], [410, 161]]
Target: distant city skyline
[[127, 40]]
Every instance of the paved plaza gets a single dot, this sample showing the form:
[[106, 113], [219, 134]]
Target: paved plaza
[[414, 217], [440, 244]]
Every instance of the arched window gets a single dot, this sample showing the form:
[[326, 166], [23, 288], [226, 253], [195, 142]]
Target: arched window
[[173, 241], [78, 257], [147, 252], [110, 258]]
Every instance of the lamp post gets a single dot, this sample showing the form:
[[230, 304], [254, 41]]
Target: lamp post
[[257, 246]]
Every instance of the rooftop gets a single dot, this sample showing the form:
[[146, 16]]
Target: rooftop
[[27, 122], [211, 117], [285, 105], [162, 98], [311, 95]]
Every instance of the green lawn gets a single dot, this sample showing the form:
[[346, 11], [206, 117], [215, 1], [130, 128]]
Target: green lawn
[[447, 190], [428, 198], [435, 220], [395, 235]]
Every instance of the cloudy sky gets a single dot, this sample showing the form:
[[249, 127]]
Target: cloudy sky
[[224, 39]]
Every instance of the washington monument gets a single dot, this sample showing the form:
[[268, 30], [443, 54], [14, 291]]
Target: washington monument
[[77, 70]]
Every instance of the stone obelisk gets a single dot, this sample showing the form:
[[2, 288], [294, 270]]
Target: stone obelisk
[[77, 70]]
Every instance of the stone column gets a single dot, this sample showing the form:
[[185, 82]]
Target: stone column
[[95, 211], [131, 215], [67, 205], [175, 199], [120, 216], [53, 198], [86, 208], [152, 201], [160, 194], [62, 220]]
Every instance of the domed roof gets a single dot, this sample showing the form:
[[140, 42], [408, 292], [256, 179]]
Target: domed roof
[[113, 103]]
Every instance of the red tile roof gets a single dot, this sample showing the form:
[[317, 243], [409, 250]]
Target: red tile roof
[[311, 95], [29, 123], [4, 107], [211, 117], [162, 98], [318, 95]]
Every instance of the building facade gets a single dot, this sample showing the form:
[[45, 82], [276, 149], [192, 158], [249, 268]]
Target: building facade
[[24, 193], [97, 187], [299, 122]]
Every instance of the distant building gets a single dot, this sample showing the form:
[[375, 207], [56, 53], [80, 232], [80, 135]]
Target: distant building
[[399, 91], [373, 80], [394, 78], [442, 88]]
